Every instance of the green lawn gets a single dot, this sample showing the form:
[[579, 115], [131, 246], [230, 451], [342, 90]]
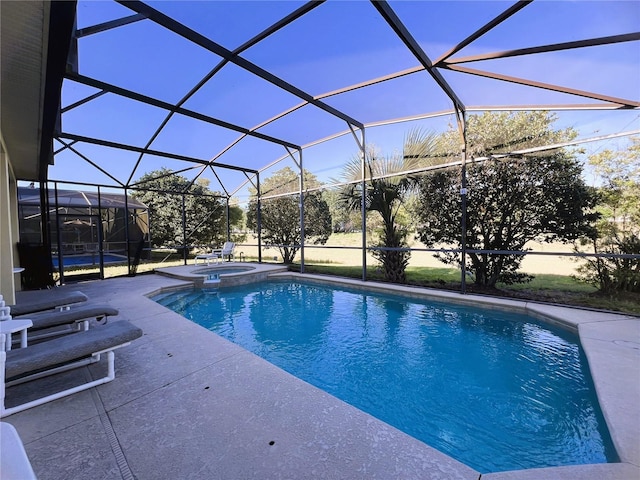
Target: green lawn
[[561, 289]]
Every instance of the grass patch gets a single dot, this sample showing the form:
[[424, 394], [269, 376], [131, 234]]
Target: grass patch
[[558, 289], [543, 281]]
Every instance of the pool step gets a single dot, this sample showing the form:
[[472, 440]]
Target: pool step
[[176, 299]]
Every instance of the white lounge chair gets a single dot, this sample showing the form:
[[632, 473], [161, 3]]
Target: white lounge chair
[[30, 301], [59, 355], [217, 254], [227, 250], [53, 323], [209, 257]]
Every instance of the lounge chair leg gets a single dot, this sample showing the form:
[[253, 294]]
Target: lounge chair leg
[[4, 412], [53, 371], [81, 325]]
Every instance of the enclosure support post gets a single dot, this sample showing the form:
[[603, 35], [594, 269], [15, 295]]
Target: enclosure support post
[[363, 206], [58, 232], [462, 129], [228, 220], [99, 233], [259, 217], [184, 231], [45, 219], [301, 198], [463, 194], [126, 229]]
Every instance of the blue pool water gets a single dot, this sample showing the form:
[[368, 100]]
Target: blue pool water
[[88, 259], [495, 390]]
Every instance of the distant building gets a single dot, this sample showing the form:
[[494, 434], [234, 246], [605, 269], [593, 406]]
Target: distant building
[[83, 222]]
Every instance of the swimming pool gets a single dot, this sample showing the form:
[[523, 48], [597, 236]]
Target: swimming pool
[[496, 391], [88, 259]]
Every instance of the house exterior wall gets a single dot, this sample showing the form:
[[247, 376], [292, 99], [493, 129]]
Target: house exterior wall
[[8, 227]]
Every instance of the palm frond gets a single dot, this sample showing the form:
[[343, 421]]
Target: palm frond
[[352, 170], [422, 149]]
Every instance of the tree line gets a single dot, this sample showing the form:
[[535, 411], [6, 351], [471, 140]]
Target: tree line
[[517, 191]]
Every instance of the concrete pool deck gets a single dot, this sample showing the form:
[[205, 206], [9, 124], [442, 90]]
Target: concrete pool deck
[[187, 403]]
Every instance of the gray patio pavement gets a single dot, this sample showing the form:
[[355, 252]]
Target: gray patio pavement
[[188, 404]]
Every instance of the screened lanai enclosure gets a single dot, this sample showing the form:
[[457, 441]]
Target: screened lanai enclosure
[[89, 229], [226, 96]]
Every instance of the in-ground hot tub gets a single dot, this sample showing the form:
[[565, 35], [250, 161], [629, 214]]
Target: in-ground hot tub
[[213, 276], [222, 275]]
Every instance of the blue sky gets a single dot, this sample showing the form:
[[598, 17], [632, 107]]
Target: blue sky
[[339, 43]]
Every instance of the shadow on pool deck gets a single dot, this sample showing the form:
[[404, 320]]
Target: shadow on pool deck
[[187, 403]]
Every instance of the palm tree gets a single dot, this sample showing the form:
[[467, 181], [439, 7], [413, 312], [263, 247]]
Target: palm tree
[[388, 181]]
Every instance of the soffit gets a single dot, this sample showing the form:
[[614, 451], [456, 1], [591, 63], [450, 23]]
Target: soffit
[[23, 34]]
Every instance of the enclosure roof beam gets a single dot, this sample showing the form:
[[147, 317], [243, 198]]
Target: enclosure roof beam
[[546, 86], [199, 39], [403, 33], [139, 183], [83, 101], [167, 106], [63, 147], [373, 81], [546, 107], [103, 27], [592, 42], [283, 22], [88, 160], [484, 29], [215, 174], [157, 153], [163, 175]]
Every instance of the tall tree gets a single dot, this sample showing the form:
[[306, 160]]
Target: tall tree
[[238, 225], [618, 230], [343, 220], [619, 175], [280, 216], [205, 212], [387, 184], [511, 200]]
